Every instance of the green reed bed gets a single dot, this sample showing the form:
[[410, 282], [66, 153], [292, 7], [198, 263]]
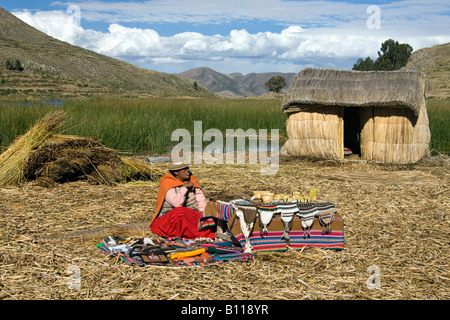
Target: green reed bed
[[144, 125], [133, 125], [439, 117]]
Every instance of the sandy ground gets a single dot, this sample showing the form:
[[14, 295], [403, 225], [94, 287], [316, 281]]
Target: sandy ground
[[396, 232]]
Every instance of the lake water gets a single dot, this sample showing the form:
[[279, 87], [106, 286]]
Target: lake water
[[44, 102]]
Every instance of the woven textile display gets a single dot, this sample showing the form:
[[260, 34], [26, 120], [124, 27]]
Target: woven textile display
[[172, 252], [214, 211], [277, 226]]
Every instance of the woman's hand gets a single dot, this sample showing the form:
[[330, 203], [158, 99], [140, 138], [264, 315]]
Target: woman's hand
[[188, 185]]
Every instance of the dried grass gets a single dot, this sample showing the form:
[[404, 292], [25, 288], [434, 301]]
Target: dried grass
[[48, 158], [330, 87], [396, 217], [135, 169], [12, 160]]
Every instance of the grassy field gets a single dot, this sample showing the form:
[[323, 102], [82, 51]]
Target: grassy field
[[143, 125], [439, 116], [132, 125]]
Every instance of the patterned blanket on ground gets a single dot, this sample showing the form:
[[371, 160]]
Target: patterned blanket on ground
[[176, 252], [253, 227], [283, 225]]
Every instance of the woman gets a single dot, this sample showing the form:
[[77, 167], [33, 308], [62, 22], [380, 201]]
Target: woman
[[179, 206]]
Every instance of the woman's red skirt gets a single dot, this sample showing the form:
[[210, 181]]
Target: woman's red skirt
[[181, 222]]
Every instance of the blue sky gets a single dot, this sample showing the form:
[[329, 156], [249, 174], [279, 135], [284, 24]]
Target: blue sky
[[238, 35]]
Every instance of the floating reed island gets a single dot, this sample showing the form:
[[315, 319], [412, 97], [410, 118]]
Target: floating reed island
[[379, 115], [42, 156]]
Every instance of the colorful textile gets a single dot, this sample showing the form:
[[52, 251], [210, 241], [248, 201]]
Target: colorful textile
[[225, 211], [186, 254], [291, 225], [215, 211], [332, 240], [202, 259], [209, 216], [266, 213], [181, 222], [180, 252], [219, 210], [207, 222], [247, 216]]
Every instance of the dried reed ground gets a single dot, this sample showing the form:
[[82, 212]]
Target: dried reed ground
[[396, 217]]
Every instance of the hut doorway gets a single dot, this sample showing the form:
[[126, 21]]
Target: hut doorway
[[352, 130]]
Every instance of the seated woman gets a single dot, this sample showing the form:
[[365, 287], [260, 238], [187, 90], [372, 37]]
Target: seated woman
[[179, 205]]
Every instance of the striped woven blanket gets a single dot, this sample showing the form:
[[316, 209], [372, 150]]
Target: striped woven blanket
[[214, 211], [279, 226], [274, 238]]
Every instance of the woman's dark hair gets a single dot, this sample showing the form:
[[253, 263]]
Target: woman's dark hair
[[172, 172]]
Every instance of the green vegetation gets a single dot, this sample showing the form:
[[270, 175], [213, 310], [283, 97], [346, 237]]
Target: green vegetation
[[14, 66], [439, 116], [276, 83], [392, 56], [137, 125], [434, 62]]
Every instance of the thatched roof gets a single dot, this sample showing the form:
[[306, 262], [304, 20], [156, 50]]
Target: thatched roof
[[330, 87]]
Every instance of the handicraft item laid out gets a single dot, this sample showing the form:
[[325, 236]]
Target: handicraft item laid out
[[283, 225], [178, 252]]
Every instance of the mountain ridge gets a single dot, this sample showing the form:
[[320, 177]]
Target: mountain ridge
[[61, 68], [235, 84]]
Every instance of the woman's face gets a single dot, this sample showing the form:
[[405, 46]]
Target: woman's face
[[183, 174]]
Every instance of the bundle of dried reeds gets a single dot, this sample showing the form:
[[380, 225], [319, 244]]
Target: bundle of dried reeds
[[63, 159], [134, 169], [48, 158], [12, 160]]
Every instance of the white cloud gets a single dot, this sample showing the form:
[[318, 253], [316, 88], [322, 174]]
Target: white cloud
[[57, 24], [306, 13], [213, 11], [290, 49]]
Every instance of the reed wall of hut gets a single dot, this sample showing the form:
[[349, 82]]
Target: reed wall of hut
[[388, 128]]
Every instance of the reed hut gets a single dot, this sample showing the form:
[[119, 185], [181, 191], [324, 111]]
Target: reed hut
[[379, 115]]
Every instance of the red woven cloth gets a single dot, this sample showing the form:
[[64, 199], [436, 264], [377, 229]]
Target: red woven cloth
[[181, 222]]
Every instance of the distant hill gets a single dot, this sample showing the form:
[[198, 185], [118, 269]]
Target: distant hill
[[235, 84], [59, 68], [435, 63]]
